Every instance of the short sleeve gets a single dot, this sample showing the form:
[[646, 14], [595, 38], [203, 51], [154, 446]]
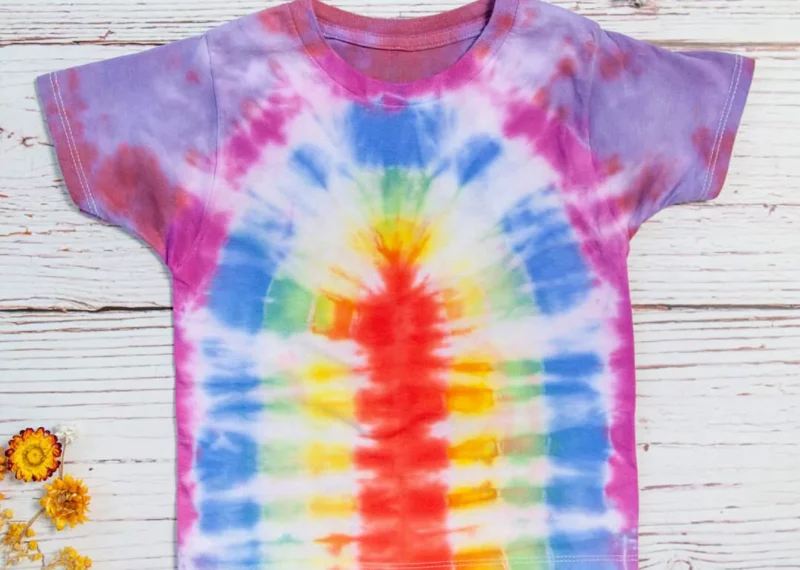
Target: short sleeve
[[663, 123], [135, 138]]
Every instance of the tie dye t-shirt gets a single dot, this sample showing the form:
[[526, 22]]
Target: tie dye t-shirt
[[403, 335]]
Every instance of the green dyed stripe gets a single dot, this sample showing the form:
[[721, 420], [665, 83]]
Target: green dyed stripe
[[527, 554], [523, 448], [288, 307], [281, 459], [403, 194], [282, 510], [506, 290], [522, 494], [521, 393], [521, 367], [522, 386]]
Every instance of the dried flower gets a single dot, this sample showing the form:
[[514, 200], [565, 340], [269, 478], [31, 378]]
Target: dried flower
[[33, 455], [66, 502], [66, 434], [3, 466], [16, 544], [69, 559]]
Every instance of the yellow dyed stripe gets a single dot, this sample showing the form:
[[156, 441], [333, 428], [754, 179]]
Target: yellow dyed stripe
[[414, 240], [466, 497], [325, 371], [321, 458], [329, 403], [332, 506], [470, 398], [484, 558], [482, 449]]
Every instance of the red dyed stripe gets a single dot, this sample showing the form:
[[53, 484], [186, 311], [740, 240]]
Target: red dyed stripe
[[402, 501]]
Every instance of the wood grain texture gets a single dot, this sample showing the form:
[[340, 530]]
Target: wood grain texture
[[85, 331]]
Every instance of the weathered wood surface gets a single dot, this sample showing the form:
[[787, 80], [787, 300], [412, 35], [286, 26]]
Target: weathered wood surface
[[85, 334]]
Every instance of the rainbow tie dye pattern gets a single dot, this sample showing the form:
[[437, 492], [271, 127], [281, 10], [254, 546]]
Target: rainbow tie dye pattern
[[403, 331]]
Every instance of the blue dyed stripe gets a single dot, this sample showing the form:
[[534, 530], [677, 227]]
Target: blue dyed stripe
[[576, 494], [237, 292], [229, 385], [243, 409], [310, 162], [225, 459], [573, 366], [390, 137], [584, 447], [570, 546], [542, 238], [218, 517], [572, 411], [476, 156]]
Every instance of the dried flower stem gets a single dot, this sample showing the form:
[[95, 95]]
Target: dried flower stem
[[30, 522]]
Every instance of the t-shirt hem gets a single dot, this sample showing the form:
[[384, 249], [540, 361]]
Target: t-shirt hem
[[629, 562], [731, 119]]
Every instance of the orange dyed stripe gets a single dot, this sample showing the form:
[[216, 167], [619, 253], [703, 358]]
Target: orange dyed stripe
[[482, 449], [332, 317], [487, 558], [470, 399], [472, 496], [473, 367]]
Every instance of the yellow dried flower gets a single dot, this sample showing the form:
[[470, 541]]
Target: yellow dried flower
[[33, 455], [3, 467], [16, 546], [66, 502], [69, 559]]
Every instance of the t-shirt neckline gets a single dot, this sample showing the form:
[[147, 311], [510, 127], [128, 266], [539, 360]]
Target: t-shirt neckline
[[310, 15]]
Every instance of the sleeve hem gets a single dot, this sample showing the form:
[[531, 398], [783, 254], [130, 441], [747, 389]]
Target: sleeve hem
[[66, 147], [729, 126]]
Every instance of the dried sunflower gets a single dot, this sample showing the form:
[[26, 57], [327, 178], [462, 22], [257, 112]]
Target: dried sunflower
[[66, 502], [33, 455]]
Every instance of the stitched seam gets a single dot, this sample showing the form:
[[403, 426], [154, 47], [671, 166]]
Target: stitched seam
[[437, 31], [207, 201], [71, 144], [722, 121], [415, 47]]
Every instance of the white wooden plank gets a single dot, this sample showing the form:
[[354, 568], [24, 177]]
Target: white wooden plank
[[717, 431], [742, 249], [154, 21]]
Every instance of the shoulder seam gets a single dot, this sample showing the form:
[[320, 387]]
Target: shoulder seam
[[207, 201]]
